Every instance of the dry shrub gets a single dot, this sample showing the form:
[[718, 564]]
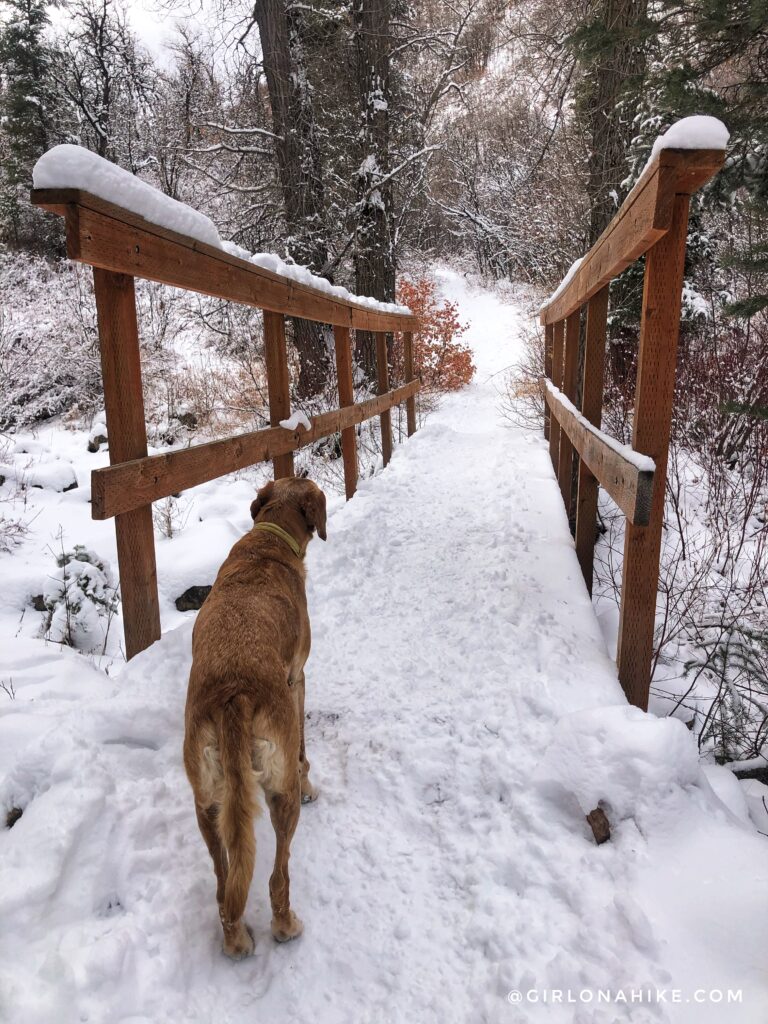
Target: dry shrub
[[440, 360]]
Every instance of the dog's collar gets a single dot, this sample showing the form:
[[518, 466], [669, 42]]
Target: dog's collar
[[278, 531]]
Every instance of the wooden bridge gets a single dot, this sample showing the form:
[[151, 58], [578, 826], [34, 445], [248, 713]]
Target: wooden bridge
[[121, 246]]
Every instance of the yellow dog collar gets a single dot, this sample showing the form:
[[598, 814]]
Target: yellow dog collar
[[278, 531]]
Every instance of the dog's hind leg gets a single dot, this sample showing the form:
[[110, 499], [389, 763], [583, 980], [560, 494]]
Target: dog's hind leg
[[284, 809], [206, 819], [308, 791]]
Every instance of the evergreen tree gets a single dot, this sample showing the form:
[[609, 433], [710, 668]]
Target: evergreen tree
[[28, 124], [711, 57]]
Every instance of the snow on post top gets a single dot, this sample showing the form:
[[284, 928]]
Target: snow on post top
[[697, 132], [70, 166]]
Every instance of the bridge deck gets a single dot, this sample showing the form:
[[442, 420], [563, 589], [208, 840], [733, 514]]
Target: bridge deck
[[438, 871]]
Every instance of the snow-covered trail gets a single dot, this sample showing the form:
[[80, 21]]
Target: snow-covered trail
[[439, 870]]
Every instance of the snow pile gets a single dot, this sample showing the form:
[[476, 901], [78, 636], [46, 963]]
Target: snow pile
[[622, 759], [298, 419], [756, 797], [303, 275], [33, 465], [69, 166], [729, 790], [55, 475], [643, 463], [698, 132]]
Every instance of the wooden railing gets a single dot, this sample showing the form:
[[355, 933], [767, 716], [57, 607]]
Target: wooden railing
[[654, 220], [121, 246]]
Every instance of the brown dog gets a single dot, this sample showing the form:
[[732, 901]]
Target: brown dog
[[245, 703]]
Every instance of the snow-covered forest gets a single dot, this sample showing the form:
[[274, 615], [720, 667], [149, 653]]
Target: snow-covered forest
[[454, 158]]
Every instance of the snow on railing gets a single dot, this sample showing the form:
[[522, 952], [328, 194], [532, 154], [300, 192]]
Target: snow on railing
[[68, 166]]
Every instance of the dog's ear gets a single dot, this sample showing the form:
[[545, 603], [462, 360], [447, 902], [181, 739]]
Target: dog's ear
[[261, 499], [313, 509]]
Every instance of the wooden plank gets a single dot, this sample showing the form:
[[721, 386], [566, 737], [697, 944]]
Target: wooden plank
[[129, 485], [645, 216], [659, 330], [124, 407], [382, 373], [410, 405], [591, 409], [629, 487], [278, 384], [343, 344], [570, 367], [104, 235], [558, 336], [548, 341]]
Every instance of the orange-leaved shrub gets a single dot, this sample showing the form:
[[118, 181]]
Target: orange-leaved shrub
[[440, 360]]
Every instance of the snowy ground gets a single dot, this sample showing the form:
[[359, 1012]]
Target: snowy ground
[[462, 716]]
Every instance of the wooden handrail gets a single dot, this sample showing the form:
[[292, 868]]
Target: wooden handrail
[[107, 236], [120, 246], [653, 220], [129, 485], [630, 486], [645, 215]]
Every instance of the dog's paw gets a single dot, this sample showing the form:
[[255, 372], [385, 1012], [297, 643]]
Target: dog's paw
[[239, 946], [309, 793], [285, 930]]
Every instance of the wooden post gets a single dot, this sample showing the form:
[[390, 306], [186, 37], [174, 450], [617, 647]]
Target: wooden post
[[346, 397], [557, 380], [382, 368], [570, 366], [126, 428], [548, 337], [410, 405], [591, 408], [278, 383], [659, 328]]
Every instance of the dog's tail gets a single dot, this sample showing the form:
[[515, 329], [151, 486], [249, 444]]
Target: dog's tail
[[238, 804]]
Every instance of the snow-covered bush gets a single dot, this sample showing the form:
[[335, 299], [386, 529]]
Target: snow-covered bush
[[49, 359], [81, 597], [170, 516]]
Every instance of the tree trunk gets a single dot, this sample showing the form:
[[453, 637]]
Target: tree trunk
[[611, 105], [374, 256], [299, 166]]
